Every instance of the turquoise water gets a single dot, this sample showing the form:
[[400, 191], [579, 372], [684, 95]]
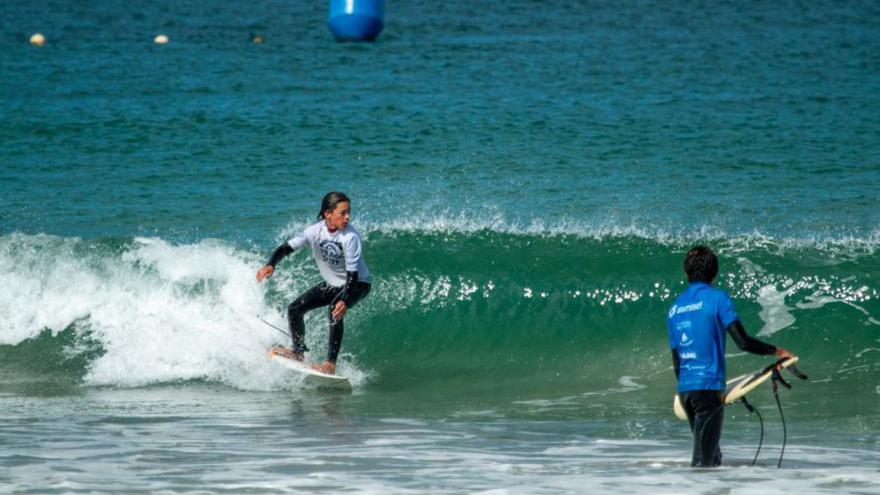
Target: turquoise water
[[527, 178]]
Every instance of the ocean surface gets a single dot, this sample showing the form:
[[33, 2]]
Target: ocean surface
[[526, 176]]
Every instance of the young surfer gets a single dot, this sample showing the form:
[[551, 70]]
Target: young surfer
[[697, 322], [336, 247]]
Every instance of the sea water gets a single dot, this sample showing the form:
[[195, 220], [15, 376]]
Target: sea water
[[526, 176]]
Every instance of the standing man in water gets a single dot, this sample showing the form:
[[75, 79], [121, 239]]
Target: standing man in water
[[697, 322], [336, 246]]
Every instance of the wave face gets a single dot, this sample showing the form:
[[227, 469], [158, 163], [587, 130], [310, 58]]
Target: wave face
[[455, 311]]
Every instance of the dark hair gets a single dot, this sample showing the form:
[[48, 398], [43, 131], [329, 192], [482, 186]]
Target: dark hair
[[701, 264], [331, 199]]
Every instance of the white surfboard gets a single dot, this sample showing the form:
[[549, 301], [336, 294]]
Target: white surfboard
[[312, 376], [738, 387]]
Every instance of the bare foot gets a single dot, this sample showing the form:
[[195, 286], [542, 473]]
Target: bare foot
[[280, 351], [327, 367]]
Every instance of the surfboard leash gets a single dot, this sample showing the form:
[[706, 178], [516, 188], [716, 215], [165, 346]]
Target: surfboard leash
[[753, 409], [273, 326], [280, 330], [775, 380]]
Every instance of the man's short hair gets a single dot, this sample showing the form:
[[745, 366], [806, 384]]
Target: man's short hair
[[701, 265]]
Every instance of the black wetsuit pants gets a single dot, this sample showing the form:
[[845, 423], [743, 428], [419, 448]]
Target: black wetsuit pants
[[316, 297], [705, 413]]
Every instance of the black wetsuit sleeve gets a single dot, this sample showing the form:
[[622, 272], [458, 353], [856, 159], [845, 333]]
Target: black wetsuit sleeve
[[351, 278], [746, 343], [282, 251], [676, 363]]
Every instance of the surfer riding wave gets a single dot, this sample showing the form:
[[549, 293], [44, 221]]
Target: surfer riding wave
[[336, 247]]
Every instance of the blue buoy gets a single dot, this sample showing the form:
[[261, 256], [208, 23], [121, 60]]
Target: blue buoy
[[356, 20]]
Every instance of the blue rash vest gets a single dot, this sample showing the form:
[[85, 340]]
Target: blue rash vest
[[697, 323]]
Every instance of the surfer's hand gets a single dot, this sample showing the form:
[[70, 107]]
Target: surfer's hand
[[338, 310], [782, 353], [264, 272]]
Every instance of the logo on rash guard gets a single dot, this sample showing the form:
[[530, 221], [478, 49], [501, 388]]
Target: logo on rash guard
[[332, 252]]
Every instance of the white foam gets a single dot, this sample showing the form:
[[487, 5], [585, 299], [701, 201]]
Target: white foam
[[817, 300], [726, 241], [774, 312], [39, 295], [749, 267], [160, 312], [869, 349]]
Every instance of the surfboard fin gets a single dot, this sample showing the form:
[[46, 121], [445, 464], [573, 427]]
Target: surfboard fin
[[777, 378], [796, 372]]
